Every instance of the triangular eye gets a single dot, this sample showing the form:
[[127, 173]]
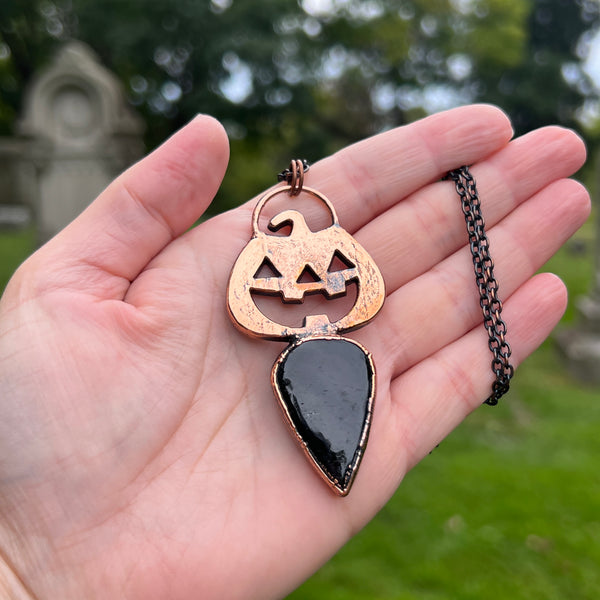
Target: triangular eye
[[308, 275], [339, 262], [266, 269]]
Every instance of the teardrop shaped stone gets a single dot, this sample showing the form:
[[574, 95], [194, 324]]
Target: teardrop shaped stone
[[326, 388]]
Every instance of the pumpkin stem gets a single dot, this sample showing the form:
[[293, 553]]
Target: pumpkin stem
[[290, 217]]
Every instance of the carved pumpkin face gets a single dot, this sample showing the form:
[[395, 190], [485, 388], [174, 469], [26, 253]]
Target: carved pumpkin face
[[303, 262], [305, 270]]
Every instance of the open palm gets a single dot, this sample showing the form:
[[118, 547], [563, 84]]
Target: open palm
[[143, 454]]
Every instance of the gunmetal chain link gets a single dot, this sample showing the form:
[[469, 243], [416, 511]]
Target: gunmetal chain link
[[286, 174], [486, 282]]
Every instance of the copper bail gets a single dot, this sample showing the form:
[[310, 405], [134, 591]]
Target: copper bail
[[297, 179]]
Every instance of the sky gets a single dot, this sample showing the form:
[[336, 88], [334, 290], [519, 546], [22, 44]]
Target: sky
[[592, 63]]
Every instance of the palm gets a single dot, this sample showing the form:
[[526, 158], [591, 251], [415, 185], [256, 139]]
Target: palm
[[142, 433]]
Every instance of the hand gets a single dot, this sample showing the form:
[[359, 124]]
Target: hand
[[143, 453]]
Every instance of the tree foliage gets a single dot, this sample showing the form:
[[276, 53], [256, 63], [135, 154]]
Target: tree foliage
[[302, 79]]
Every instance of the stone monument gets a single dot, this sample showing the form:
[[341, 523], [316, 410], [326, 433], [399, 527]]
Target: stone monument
[[581, 344], [75, 135], [16, 178]]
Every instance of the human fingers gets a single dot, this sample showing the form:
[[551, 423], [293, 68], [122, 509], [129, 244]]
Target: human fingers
[[362, 180], [366, 178], [417, 233], [429, 400], [439, 306], [142, 211]]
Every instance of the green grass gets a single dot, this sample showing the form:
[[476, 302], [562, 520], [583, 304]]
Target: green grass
[[507, 508], [15, 247]]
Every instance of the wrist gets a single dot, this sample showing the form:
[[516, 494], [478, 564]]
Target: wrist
[[32, 569], [11, 585], [24, 566]]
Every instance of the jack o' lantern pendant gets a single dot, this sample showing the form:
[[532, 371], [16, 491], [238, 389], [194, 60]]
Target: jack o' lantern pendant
[[325, 383]]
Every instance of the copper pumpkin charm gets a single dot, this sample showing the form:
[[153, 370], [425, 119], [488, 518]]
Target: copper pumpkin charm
[[325, 383]]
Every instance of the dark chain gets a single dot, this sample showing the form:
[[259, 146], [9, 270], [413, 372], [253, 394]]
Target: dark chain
[[486, 282], [286, 174]]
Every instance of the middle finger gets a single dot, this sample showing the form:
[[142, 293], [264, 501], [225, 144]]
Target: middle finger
[[417, 233]]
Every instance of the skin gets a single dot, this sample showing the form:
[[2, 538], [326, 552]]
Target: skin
[[142, 453]]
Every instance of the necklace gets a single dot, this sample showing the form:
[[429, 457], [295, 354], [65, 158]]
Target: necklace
[[486, 282], [325, 383]]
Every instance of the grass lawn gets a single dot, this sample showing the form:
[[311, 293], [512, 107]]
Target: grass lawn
[[15, 247], [507, 508]]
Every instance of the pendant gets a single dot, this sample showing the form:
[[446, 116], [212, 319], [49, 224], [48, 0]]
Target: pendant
[[325, 383]]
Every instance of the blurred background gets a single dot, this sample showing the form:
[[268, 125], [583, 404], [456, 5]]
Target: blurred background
[[508, 506]]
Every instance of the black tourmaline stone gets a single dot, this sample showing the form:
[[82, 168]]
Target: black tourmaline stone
[[326, 387]]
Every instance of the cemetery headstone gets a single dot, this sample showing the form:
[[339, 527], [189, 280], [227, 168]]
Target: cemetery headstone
[[75, 135], [581, 344]]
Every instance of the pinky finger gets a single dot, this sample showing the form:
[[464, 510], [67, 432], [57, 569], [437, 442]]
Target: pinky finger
[[455, 380]]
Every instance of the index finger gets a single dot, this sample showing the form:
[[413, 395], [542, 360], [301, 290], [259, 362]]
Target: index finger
[[365, 179]]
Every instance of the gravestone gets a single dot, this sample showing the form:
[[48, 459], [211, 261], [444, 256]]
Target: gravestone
[[75, 135], [581, 344], [15, 182]]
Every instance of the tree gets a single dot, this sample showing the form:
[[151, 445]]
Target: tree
[[303, 79]]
